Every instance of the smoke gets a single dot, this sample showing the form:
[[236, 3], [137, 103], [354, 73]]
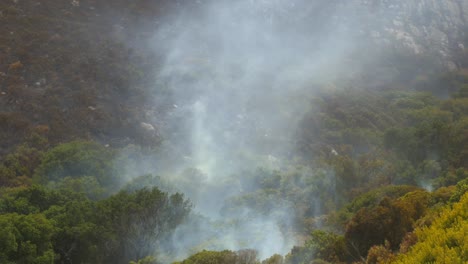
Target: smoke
[[240, 75]]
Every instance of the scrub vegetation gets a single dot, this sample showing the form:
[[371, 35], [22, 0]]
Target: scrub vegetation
[[96, 165]]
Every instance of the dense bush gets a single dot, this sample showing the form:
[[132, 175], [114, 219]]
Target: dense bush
[[445, 241], [77, 159], [123, 227]]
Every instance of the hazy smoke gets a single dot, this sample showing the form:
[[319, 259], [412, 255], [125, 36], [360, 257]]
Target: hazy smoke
[[240, 74]]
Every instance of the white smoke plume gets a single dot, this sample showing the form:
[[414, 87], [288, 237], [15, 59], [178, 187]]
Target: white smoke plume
[[241, 74]]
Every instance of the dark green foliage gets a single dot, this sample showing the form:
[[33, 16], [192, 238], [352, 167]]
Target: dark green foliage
[[145, 260], [461, 189], [275, 259], [26, 239], [298, 194], [222, 257], [76, 234], [321, 246], [211, 257], [140, 221], [143, 181], [77, 159], [299, 255], [118, 229], [87, 185], [79, 237], [34, 199], [415, 138]]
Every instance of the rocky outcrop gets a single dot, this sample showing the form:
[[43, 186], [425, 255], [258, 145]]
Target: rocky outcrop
[[428, 27], [437, 27]]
